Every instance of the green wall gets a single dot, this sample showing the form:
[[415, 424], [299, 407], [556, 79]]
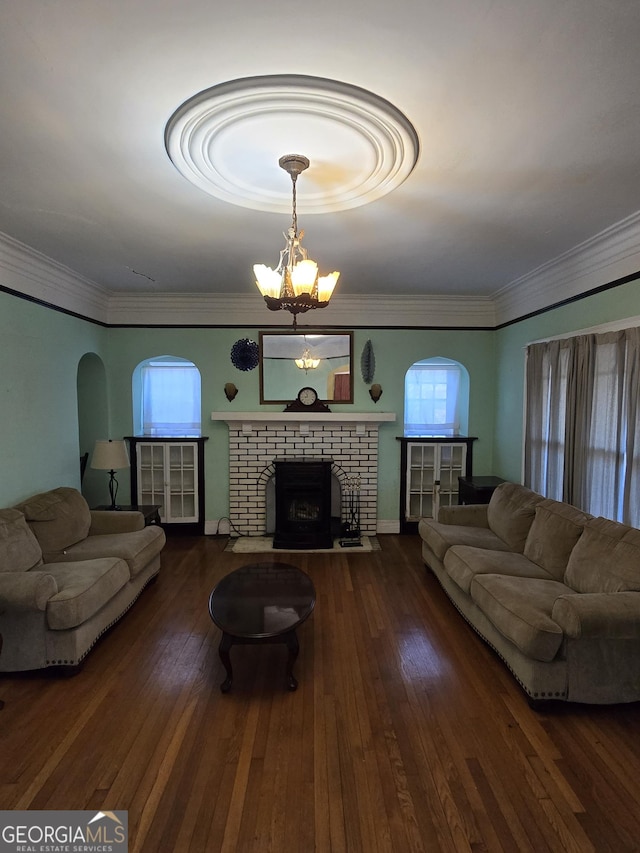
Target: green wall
[[41, 350], [395, 352]]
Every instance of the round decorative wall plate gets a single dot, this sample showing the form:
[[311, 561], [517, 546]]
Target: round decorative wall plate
[[245, 354]]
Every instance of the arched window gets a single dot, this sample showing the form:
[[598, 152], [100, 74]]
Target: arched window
[[436, 396], [166, 397]]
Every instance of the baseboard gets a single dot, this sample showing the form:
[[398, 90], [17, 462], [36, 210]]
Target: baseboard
[[387, 526], [217, 525]]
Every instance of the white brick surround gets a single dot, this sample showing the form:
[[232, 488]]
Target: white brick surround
[[257, 438]]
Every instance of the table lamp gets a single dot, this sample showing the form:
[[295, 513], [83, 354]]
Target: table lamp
[[108, 456]]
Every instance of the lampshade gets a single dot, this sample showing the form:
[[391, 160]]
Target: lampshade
[[109, 455]]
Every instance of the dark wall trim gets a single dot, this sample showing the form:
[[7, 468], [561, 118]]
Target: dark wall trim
[[600, 289], [49, 305]]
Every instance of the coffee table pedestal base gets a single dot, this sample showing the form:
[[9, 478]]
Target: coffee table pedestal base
[[289, 638]]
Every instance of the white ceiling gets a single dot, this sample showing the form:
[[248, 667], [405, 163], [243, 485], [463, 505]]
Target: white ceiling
[[527, 114]]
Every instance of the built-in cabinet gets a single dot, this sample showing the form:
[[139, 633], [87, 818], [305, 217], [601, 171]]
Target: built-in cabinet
[[170, 473], [430, 468]]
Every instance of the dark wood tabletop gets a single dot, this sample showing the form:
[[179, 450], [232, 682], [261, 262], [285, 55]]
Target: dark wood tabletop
[[262, 600]]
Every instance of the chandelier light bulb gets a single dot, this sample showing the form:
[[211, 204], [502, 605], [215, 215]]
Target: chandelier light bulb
[[269, 281]]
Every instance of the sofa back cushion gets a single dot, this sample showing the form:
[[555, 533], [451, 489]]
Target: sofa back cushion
[[510, 513], [58, 518], [552, 537], [606, 558], [19, 549]]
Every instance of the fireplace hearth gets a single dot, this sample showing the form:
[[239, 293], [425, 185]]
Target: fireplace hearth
[[303, 503]]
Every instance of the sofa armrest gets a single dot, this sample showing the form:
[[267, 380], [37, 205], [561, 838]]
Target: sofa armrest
[[614, 615], [26, 590], [467, 515], [104, 521]]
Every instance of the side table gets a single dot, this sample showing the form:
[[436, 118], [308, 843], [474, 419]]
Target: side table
[[477, 490], [151, 512]]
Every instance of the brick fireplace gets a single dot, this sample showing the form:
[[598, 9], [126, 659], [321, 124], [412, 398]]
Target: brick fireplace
[[257, 439]]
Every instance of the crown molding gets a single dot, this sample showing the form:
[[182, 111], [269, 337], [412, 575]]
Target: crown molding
[[342, 311], [608, 256], [35, 275]]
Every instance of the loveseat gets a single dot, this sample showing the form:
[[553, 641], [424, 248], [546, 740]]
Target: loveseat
[[67, 574], [553, 590]]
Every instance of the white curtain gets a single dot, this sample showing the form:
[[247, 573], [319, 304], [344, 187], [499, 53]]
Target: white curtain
[[171, 400], [431, 400], [582, 436]]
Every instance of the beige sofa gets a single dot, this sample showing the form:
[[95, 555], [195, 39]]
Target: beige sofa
[[67, 574], [554, 591]]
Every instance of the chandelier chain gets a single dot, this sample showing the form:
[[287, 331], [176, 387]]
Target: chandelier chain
[[294, 222]]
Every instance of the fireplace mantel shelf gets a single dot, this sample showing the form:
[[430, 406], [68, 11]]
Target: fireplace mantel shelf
[[304, 417]]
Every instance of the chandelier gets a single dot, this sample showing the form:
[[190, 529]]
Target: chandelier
[[294, 285], [307, 361]]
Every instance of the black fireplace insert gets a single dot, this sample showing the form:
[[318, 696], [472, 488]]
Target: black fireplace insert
[[303, 503]]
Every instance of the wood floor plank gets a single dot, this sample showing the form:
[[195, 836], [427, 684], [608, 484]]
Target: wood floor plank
[[406, 733]]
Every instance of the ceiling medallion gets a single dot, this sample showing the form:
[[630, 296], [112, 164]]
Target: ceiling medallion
[[227, 139]]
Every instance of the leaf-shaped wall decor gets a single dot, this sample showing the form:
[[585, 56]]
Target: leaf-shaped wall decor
[[368, 363]]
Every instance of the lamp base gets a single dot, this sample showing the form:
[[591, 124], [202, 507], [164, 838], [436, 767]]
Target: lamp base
[[113, 490]]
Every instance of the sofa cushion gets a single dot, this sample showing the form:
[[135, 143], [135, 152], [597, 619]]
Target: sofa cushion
[[19, 548], [606, 558], [462, 563], [58, 518], [510, 513], [520, 609], [555, 530], [137, 547], [83, 588], [440, 537]]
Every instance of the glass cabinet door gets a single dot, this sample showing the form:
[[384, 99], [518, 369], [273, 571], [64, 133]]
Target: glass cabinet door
[[421, 480], [168, 477], [183, 502], [151, 479], [432, 478], [452, 466]]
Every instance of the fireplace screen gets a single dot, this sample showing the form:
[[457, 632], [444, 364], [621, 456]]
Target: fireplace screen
[[300, 509]]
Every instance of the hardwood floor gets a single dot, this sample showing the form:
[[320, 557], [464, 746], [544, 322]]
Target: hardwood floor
[[405, 734]]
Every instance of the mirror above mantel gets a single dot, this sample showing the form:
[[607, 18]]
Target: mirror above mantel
[[291, 360]]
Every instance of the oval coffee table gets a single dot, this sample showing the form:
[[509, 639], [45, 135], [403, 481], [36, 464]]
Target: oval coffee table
[[261, 603]]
